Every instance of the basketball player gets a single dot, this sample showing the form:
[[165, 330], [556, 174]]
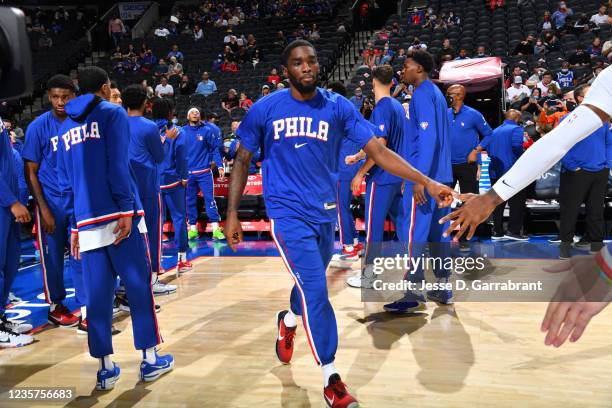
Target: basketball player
[[202, 140], [101, 197], [300, 131], [383, 190], [146, 151], [52, 223], [173, 171], [12, 213], [115, 97], [428, 148], [566, 318]]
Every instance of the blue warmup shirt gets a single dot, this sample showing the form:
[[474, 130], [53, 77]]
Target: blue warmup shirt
[[301, 143], [202, 143], [256, 156], [9, 187], [145, 151], [592, 153], [427, 145], [21, 181], [95, 178], [346, 172], [465, 126], [41, 143], [389, 120], [504, 146], [218, 159], [173, 169]]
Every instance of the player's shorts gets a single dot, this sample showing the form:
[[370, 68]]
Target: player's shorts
[[600, 93]]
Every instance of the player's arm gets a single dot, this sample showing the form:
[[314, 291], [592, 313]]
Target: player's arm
[[180, 158], [64, 175], [155, 144], [240, 173], [517, 142], [9, 200], [32, 154], [364, 169]]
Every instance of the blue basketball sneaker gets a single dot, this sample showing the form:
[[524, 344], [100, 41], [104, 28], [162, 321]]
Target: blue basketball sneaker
[[107, 378], [443, 297], [411, 302], [151, 372]]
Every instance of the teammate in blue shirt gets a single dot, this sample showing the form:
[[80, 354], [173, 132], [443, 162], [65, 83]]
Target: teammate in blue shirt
[[100, 194], [12, 213], [300, 131], [173, 174], [427, 147], [504, 146], [202, 141], [146, 151], [383, 190], [52, 222]]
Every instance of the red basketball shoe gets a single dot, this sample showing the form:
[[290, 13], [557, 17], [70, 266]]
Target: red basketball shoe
[[284, 340], [350, 253], [336, 395], [184, 266], [359, 248], [62, 317]]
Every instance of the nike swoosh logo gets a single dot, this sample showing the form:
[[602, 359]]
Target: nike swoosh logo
[[297, 146], [330, 401], [504, 182]]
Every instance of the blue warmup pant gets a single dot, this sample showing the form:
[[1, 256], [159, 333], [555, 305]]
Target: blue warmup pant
[[174, 200], [381, 200], [10, 251], [306, 250], [52, 249], [152, 215], [346, 221], [201, 182], [421, 227], [101, 267]]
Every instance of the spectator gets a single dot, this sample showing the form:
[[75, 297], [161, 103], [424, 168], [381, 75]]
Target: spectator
[[595, 49], [161, 32], [517, 92], [554, 110], [579, 57], [417, 45], [230, 102], [233, 21], [131, 52], [452, 19], [228, 35], [216, 64], [386, 57], [175, 67], [440, 24], [314, 33], [229, 66], [45, 42], [161, 69], [357, 98], [525, 47], [265, 90], [198, 33], [582, 24], [172, 28], [280, 86], [546, 22], [400, 57], [531, 103], [176, 53], [164, 89], [516, 71], [228, 54], [273, 78], [369, 55], [463, 55], [280, 40], [149, 61], [601, 17], [596, 72], [447, 49], [548, 86], [536, 74], [539, 48], [551, 43], [244, 102], [206, 86], [56, 27], [303, 32], [116, 30], [606, 50], [481, 52], [558, 18], [416, 17], [150, 91], [117, 55], [565, 77]]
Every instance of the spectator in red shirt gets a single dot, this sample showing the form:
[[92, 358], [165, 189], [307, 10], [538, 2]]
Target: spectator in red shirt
[[229, 66], [274, 78], [245, 103]]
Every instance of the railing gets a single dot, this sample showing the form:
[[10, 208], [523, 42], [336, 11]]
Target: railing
[[350, 56], [150, 16]]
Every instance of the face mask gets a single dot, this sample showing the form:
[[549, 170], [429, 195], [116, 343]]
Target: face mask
[[449, 100], [571, 105], [174, 121], [564, 70]]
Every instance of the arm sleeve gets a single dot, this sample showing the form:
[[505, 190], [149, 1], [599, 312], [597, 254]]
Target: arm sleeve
[[64, 177], [154, 144], [7, 198], [180, 157], [32, 150], [517, 142], [217, 143], [356, 128], [117, 162], [251, 130], [427, 133], [381, 122], [547, 151], [483, 126]]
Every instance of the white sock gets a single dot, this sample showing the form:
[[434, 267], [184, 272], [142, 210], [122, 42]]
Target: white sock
[[215, 225], [355, 241], [106, 363], [149, 355], [193, 227], [290, 320], [328, 370], [182, 256], [52, 307], [153, 278], [83, 312]]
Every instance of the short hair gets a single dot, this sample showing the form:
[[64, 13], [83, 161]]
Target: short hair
[[212, 115], [423, 58], [580, 90], [162, 108], [383, 74], [337, 87], [547, 73], [60, 81], [134, 96], [114, 85], [292, 46], [91, 79]]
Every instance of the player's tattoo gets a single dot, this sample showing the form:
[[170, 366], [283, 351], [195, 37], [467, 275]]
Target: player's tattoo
[[240, 172]]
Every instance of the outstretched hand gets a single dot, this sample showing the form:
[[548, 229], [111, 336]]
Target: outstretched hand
[[441, 193], [475, 210]]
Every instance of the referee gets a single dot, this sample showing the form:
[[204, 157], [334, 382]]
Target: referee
[[466, 124], [584, 178]]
